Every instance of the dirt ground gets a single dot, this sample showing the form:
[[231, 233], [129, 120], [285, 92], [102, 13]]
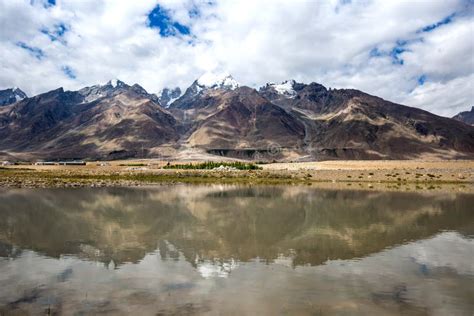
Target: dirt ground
[[371, 172], [374, 165], [385, 174]]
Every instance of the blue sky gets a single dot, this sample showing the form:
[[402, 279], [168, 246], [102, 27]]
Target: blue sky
[[161, 19], [419, 53]]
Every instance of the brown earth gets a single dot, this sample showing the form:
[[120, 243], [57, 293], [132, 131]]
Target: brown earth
[[120, 122], [398, 175]]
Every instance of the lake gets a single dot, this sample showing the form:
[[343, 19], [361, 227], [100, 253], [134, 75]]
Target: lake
[[225, 249]]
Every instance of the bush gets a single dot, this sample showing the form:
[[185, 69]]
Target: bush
[[133, 165], [212, 165]]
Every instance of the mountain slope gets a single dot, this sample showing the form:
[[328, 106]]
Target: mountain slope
[[350, 124], [10, 96], [240, 119], [168, 96], [215, 115], [66, 124], [202, 86], [466, 116]]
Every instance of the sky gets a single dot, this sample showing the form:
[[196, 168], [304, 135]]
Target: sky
[[414, 52]]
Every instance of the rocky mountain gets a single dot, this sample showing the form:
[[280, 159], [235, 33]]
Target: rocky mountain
[[466, 116], [217, 116], [100, 122], [350, 124], [168, 96], [9, 96], [207, 83], [236, 121], [113, 88], [220, 117]]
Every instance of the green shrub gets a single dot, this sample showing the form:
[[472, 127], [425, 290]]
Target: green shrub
[[211, 165]]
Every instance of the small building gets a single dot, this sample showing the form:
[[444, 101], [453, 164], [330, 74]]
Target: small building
[[45, 163], [7, 163], [72, 163]]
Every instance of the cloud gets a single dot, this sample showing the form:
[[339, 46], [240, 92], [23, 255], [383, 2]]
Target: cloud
[[381, 47], [34, 51], [443, 98], [70, 73]]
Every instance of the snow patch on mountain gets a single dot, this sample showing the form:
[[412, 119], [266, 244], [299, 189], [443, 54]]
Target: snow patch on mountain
[[217, 81], [116, 83], [172, 100], [168, 96], [285, 88], [101, 91], [12, 95]]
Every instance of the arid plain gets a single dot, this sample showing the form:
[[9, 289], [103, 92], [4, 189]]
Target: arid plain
[[358, 174]]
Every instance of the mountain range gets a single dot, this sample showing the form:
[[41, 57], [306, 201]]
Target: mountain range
[[218, 116], [466, 116], [9, 96]]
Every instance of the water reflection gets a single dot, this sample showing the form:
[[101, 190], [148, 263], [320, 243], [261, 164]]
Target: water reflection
[[221, 249]]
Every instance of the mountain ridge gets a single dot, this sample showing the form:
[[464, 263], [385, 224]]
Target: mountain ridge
[[11, 95], [217, 116], [466, 116]]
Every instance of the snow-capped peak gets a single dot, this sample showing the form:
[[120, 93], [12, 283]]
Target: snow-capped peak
[[217, 81], [168, 96], [115, 83], [96, 92], [11, 95], [285, 88], [19, 95]]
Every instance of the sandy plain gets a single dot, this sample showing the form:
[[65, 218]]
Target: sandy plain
[[455, 175]]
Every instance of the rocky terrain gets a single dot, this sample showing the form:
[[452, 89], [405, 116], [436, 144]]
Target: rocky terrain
[[466, 116], [10, 96], [100, 122], [216, 116], [168, 96], [355, 125], [368, 175]]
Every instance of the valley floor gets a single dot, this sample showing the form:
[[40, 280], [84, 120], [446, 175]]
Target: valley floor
[[368, 175]]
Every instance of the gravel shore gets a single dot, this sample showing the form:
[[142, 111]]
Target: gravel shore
[[397, 175]]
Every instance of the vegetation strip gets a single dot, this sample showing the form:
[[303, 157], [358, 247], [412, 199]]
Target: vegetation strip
[[215, 165], [76, 178]]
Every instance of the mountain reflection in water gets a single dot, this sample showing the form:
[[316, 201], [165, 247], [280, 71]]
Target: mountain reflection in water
[[219, 249]]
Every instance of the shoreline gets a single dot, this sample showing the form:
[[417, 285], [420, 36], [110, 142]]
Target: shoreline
[[408, 176]]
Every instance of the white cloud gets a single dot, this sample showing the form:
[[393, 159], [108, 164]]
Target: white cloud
[[443, 98], [257, 41]]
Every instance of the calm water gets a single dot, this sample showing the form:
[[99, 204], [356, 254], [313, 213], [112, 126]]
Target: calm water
[[235, 250]]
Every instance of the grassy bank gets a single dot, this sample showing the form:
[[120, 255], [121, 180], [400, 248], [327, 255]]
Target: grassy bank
[[97, 177], [32, 178]]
